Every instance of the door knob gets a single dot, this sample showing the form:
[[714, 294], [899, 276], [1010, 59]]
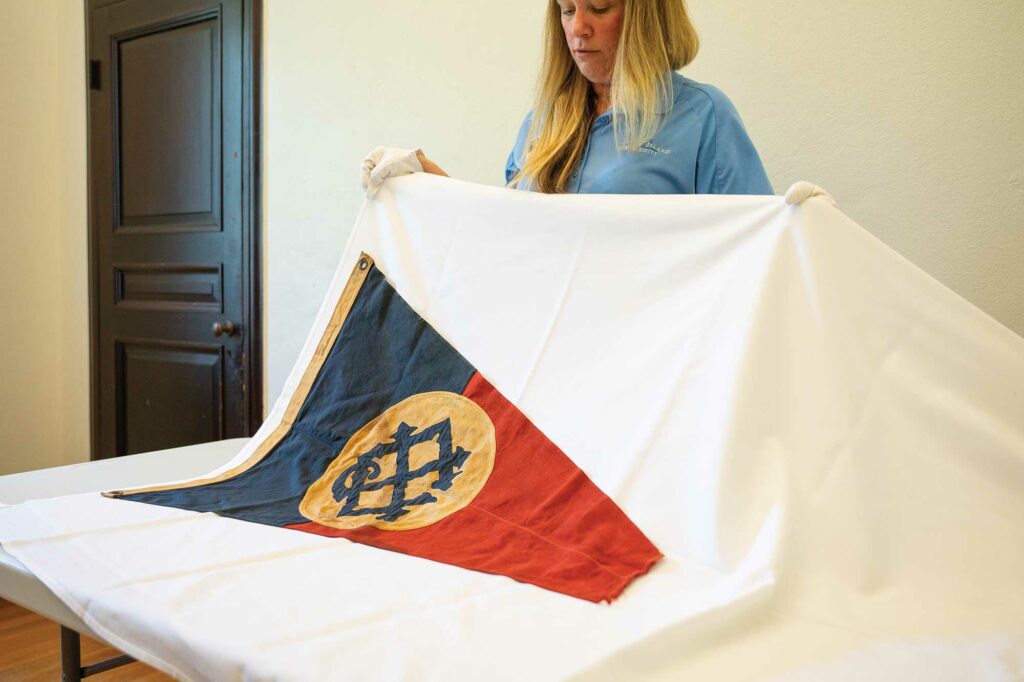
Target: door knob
[[228, 327]]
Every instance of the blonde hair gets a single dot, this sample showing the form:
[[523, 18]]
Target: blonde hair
[[657, 38]]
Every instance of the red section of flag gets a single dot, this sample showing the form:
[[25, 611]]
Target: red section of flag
[[539, 519]]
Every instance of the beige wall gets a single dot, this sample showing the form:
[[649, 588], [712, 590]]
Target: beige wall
[[911, 114], [450, 76], [43, 271]]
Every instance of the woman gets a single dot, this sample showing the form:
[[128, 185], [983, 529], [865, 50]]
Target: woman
[[613, 117]]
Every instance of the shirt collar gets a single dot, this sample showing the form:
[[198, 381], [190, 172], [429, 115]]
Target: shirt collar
[[662, 109]]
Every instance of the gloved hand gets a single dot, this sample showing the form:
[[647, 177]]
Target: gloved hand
[[386, 162], [803, 190]]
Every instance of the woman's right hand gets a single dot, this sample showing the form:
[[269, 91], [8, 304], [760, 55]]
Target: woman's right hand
[[428, 165], [386, 162]]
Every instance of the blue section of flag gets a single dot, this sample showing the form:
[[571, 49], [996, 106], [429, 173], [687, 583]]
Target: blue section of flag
[[384, 354]]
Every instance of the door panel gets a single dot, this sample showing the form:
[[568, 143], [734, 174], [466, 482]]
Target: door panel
[[157, 286], [152, 377], [168, 131], [171, 227]]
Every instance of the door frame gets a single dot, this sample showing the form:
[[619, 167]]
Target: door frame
[[252, 224]]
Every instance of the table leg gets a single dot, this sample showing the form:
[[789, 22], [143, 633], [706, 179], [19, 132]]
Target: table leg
[[70, 655], [71, 669]]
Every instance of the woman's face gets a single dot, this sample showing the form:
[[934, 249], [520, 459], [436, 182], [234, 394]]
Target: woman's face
[[592, 29]]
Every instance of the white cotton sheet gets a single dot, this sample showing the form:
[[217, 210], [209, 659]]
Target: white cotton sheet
[[826, 443]]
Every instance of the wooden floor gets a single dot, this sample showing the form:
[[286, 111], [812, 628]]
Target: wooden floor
[[30, 651]]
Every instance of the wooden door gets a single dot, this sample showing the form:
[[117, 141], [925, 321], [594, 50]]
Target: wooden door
[[173, 230]]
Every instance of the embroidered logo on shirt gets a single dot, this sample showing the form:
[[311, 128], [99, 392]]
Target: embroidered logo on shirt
[[646, 148]]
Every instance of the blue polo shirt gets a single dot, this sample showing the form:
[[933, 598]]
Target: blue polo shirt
[[702, 148]]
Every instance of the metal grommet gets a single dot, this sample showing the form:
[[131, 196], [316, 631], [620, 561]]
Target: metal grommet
[[363, 264]]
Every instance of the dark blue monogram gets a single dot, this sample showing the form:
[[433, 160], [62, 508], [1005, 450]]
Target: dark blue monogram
[[363, 475]]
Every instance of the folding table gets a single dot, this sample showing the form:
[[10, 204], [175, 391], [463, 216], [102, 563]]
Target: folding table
[[19, 585]]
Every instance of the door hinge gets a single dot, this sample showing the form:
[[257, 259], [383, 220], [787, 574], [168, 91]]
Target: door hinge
[[94, 74]]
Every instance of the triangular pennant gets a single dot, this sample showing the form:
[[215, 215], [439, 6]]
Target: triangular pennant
[[392, 439]]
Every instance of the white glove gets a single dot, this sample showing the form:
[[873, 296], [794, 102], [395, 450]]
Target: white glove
[[801, 191], [386, 162]]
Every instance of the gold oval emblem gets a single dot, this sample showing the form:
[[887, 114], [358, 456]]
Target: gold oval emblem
[[419, 461]]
